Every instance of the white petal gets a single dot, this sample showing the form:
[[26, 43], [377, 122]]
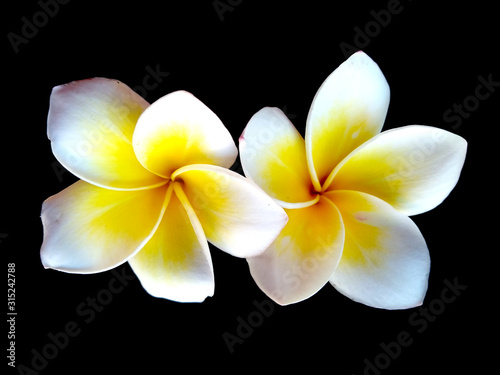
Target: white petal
[[236, 215], [413, 168], [90, 124], [90, 229], [348, 109], [303, 257], [178, 130], [273, 155], [385, 262], [176, 263]]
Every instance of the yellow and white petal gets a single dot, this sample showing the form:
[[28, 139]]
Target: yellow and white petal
[[348, 109], [90, 125], [303, 257], [176, 263], [177, 130], [90, 229], [273, 154], [413, 168], [236, 215], [385, 262]]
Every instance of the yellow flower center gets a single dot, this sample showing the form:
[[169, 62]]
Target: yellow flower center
[[317, 193]]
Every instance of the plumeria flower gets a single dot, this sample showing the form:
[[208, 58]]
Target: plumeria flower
[[348, 191], [154, 187]]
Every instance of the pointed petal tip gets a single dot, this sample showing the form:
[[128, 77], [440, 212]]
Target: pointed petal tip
[[86, 81], [255, 115], [348, 109], [192, 299], [360, 55], [304, 255], [393, 279], [287, 301]]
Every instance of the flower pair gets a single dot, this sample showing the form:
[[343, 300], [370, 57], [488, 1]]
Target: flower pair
[[332, 207]]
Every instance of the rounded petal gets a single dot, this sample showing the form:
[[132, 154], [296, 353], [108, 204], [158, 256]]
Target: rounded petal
[[413, 168], [385, 262], [90, 125], [273, 154], [348, 109], [236, 215], [178, 130], [303, 257], [176, 263], [90, 229]]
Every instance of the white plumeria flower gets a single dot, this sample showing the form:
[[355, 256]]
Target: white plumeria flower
[[154, 187], [348, 191]]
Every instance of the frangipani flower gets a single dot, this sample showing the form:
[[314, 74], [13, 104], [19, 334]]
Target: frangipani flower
[[154, 187], [348, 191]]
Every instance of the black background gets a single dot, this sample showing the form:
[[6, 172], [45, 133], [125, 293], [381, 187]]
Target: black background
[[259, 54]]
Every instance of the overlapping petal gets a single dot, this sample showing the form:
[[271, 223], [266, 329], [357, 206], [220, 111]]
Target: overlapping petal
[[176, 263], [303, 257], [348, 109], [272, 154], [236, 215], [91, 229], [177, 130], [413, 168], [90, 125], [385, 262]]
